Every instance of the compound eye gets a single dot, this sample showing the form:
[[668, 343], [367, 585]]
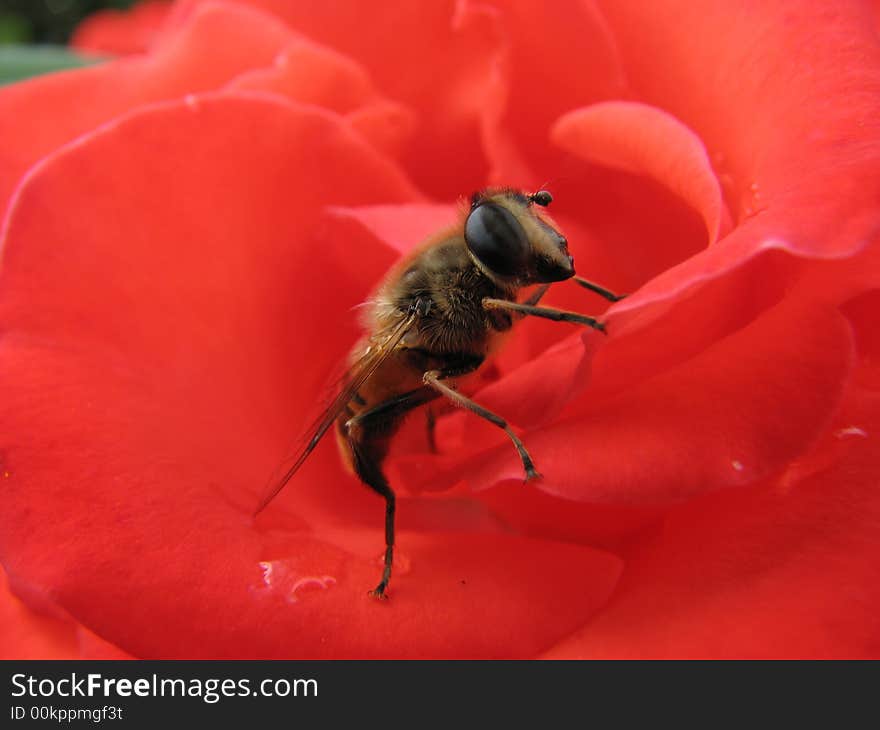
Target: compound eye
[[496, 238], [542, 198]]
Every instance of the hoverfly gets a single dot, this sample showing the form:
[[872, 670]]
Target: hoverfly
[[437, 315]]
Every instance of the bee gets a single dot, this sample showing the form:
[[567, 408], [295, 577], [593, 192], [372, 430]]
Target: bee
[[438, 315]]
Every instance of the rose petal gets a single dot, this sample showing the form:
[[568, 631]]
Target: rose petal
[[762, 129], [401, 227], [709, 267], [785, 569], [26, 635], [864, 312], [156, 380], [645, 140], [551, 60], [447, 89], [539, 514], [388, 126], [798, 142], [308, 72], [733, 414], [218, 42], [121, 32], [314, 74], [535, 392]]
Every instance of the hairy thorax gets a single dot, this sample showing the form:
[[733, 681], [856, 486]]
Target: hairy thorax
[[449, 288]]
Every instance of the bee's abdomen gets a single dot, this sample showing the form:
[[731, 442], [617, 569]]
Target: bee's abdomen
[[395, 377]]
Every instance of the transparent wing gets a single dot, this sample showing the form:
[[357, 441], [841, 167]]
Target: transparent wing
[[357, 375]]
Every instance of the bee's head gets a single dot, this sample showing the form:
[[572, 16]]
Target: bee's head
[[509, 238]]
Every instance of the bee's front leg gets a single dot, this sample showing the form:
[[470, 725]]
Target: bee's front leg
[[600, 290], [557, 315], [536, 295]]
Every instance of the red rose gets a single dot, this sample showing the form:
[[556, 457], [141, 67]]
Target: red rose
[[181, 259]]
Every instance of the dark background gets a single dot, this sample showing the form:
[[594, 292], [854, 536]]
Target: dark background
[[47, 21]]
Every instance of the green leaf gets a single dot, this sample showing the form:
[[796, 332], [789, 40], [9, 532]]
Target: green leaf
[[14, 29], [19, 62]]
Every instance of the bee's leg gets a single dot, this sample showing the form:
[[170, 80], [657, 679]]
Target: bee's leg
[[380, 418], [366, 464], [368, 434], [557, 315], [431, 424], [600, 290], [434, 378], [537, 294]]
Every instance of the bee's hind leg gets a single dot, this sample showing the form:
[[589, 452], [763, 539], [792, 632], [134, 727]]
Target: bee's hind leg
[[368, 434], [431, 428], [366, 466]]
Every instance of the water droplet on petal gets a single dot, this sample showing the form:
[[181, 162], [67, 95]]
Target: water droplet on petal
[[280, 577], [268, 568], [736, 464], [851, 431], [311, 581]]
